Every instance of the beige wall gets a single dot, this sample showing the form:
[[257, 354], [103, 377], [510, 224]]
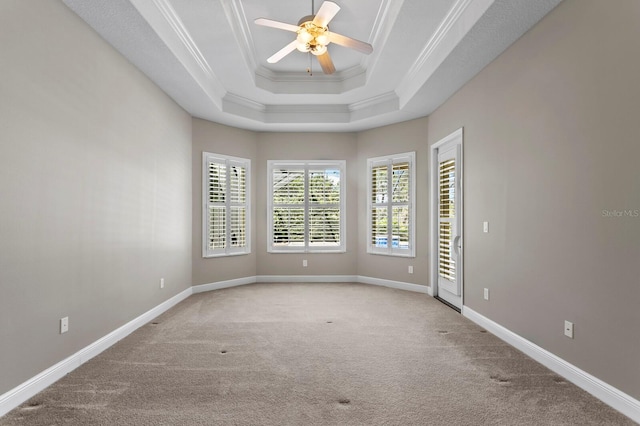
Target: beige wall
[[551, 141], [398, 138], [220, 139], [261, 147], [95, 188], [355, 148], [307, 146]]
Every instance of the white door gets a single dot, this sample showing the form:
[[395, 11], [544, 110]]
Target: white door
[[447, 209]]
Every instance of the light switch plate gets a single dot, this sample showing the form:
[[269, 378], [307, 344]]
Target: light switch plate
[[64, 325], [568, 329]]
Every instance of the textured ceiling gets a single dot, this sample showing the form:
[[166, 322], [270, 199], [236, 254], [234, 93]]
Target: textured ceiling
[[211, 58]]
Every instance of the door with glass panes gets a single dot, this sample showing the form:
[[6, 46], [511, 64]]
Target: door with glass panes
[[449, 222]]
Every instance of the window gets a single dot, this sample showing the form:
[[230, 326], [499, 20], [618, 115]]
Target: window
[[391, 194], [226, 210], [306, 206]]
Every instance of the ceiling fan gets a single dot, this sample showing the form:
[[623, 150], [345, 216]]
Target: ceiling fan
[[314, 36]]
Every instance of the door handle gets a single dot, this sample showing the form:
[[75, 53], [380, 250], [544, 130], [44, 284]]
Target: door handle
[[457, 247]]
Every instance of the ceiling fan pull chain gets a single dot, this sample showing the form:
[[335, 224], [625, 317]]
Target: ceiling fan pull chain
[[310, 69]]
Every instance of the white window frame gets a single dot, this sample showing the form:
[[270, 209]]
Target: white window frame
[[229, 161], [389, 161], [306, 166]]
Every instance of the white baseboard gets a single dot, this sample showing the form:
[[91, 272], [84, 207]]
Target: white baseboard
[[395, 284], [306, 278], [342, 279], [21, 393], [617, 399], [312, 279], [223, 284]]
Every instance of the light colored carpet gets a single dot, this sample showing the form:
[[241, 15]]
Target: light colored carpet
[[312, 354]]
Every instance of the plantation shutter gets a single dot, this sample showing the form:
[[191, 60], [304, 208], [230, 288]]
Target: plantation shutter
[[390, 223], [400, 210], [238, 205], [447, 179], [217, 215], [288, 222], [324, 207], [226, 210], [379, 211], [306, 206]]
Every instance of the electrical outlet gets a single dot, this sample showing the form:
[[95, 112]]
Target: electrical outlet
[[411, 269], [64, 325], [304, 263], [161, 282], [568, 329], [486, 294]]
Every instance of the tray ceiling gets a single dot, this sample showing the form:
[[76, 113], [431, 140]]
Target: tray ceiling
[[211, 58]]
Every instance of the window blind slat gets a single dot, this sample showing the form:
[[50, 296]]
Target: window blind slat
[[217, 182], [447, 185], [217, 227]]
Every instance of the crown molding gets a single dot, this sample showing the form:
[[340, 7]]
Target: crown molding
[[297, 83], [382, 26], [381, 104], [336, 113], [164, 20], [461, 18], [325, 113], [244, 107], [237, 19]]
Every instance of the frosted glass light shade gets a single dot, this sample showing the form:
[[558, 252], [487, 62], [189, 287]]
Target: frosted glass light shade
[[319, 50]]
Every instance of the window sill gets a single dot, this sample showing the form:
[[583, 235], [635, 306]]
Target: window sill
[[209, 256], [392, 254], [306, 251]]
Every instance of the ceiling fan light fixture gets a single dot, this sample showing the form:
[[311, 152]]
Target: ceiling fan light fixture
[[304, 36], [323, 38], [319, 49], [313, 36]]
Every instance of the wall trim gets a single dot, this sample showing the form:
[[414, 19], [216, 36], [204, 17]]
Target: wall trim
[[223, 284], [312, 279], [306, 278], [615, 398], [26, 390], [395, 284]]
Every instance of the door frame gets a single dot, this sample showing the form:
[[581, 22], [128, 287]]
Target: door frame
[[458, 135]]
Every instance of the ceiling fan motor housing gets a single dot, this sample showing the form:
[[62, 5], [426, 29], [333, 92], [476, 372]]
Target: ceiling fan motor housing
[[311, 37]]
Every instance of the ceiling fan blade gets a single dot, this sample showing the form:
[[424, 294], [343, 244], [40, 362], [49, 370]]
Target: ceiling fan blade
[[326, 63], [276, 24], [351, 43], [282, 52], [327, 11]]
